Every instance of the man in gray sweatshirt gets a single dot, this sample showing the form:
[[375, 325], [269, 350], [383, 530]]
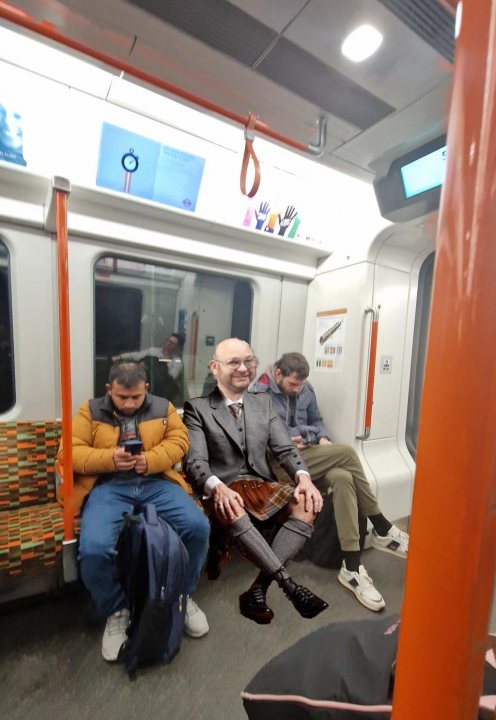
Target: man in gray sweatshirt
[[333, 466]]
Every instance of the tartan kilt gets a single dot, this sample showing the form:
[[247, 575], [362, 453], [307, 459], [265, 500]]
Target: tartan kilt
[[262, 498]]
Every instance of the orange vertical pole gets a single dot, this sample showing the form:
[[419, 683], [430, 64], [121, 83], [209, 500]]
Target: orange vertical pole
[[371, 375], [451, 566], [65, 358], [369, 395]]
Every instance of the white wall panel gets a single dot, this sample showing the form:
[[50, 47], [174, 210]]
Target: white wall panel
[[35, 323], [387, 279], [293, 314], [340, 393]]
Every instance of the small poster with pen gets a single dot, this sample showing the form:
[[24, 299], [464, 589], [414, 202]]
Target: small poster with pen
[[330, 339]]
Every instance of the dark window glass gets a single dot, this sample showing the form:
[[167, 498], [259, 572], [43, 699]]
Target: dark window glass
[[7, 391], [168, 318], [419, 351]]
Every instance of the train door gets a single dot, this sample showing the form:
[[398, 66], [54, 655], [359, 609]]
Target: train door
[[126, 301]]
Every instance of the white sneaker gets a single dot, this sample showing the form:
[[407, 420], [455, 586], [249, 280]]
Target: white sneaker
[[195, 623], [361, 584], [395, 542], [115, 634]]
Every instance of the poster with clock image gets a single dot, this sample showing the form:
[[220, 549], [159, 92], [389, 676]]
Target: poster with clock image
[[136, 165]]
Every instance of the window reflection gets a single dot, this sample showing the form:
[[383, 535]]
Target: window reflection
[[169, 319]]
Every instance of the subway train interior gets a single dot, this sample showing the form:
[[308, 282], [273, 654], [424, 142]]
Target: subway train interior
[[139, 115]]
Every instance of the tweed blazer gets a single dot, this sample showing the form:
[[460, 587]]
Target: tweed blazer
[[215, 447]]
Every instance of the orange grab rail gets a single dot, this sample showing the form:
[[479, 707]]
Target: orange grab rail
[[369, 400], [65, 358], [452, 560]]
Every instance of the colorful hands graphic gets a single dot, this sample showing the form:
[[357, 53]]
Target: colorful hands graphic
[[287, 219], [261, 215], [267, 223]]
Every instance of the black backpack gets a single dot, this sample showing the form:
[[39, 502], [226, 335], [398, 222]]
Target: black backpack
[[152, 563]]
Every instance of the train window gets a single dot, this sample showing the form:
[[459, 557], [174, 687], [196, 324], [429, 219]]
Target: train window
[[168, 318], [7, 393], [419, 351]]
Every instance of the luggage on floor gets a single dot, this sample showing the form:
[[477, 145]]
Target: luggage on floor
[[152, 562], [344, 671]]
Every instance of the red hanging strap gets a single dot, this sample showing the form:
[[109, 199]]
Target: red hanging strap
[[250, 153]]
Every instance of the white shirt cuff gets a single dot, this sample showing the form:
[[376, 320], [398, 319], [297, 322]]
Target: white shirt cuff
[[301, 472], [210, 483]]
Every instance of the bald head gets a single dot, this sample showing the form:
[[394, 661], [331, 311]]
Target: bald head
[[231, 347], [233, 366]]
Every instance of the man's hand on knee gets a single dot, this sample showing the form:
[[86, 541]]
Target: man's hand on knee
[[306, 492], [228, 504]]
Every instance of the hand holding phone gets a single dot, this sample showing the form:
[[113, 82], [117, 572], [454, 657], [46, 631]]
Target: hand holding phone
[[133, 446]]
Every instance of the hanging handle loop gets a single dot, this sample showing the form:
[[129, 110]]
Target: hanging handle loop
[[250, 153]]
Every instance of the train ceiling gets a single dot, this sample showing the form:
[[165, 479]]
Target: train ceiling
[[282, 60]]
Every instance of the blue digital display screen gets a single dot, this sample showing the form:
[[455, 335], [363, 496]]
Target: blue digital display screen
[[425, 173], [134, 164]]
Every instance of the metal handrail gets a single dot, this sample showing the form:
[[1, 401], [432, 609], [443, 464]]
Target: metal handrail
[[369, 399]]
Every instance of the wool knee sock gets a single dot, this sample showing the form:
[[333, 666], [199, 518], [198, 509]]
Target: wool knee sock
[[291, 538], [286, 544], [253, 544]]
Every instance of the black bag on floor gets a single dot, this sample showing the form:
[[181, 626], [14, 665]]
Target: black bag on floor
[[152, 563], [343, 671], [323, 548]]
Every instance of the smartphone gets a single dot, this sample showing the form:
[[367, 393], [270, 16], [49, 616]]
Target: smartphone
[[133, 446]]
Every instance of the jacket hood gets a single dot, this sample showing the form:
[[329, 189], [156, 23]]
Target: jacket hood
[[266, 380]]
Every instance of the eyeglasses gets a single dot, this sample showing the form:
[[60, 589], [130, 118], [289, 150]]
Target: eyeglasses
[[235, 364]]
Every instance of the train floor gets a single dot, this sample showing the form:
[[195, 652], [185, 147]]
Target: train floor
[[51, 666]]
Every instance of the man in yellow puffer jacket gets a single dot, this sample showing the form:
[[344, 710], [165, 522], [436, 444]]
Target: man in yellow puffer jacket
[[125, 446]]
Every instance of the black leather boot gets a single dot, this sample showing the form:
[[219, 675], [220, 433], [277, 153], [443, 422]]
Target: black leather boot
[[253, 606], [307, 604]]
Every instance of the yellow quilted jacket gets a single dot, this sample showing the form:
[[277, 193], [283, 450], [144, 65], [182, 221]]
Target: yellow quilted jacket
[[95, 435]]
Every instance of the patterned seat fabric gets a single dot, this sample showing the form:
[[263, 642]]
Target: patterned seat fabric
[[31, 525], [30, 539]]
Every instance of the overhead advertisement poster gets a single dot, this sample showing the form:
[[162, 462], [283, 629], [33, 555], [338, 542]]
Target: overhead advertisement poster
[[136, 165], [330, 339], [11, 142]]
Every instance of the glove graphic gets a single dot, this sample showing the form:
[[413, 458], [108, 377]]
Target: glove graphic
[[261, 215], [271, 224], [288, 218]]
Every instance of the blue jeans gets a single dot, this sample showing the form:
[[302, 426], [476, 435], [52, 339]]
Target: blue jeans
[[101, 523]]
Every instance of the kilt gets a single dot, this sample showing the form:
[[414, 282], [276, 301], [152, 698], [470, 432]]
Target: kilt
[[262, 498]]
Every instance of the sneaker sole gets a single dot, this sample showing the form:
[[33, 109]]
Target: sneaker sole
[[191, 634], [396, 553], [113, 659], [374, 607]]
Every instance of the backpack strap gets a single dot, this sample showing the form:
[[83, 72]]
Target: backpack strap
[[150, 513]]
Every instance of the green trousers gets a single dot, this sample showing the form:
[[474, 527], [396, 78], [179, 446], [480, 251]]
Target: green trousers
[[338, 467]]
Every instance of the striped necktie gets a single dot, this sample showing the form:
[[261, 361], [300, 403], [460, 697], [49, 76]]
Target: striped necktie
[[236, 409]]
